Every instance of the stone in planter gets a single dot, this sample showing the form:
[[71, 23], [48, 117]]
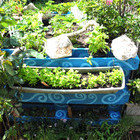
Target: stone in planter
[[58, 47], [30, 6], [123, 48]]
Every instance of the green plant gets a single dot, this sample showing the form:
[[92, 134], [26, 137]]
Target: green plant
[[134, 87], [97, 41], [5, 22], [63, 24], [121, 17], [7, 109], [29, 75], [101, 79], [61, 8], [76, 130], [59, 78], [8, 73], [115, 77], [14, 6], [92, 81]]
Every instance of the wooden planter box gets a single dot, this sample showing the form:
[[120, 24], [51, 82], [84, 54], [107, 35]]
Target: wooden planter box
[[79, 59]]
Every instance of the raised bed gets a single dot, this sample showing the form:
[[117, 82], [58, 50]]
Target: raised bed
[[79, 59]]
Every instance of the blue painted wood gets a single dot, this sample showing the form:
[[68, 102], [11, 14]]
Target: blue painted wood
[[79, 59], [121, 97], [114, 118]]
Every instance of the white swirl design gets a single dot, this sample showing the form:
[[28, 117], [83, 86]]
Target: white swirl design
[[56, 97], [49, 63], [40, 97], [79, 98], [112, 98], [30, 62], [67, 64], [92, 97], [60, 114], [114, 115]]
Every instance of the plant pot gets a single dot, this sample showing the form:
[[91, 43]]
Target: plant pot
[[75, 91]]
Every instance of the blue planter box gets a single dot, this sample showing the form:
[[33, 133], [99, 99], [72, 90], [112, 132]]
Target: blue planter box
[[79, 59], [79, 56]]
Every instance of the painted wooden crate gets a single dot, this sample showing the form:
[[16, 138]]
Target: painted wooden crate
[[79, 59]]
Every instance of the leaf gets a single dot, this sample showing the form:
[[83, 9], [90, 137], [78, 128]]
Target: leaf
[[9, 69], [14, 41], [6, 42], [10, 81], [35, 54], [1, 120], [18, 80]]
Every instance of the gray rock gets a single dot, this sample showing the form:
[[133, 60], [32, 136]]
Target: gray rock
[[133, 110], [58, 47], [123, 48], [30, 6]]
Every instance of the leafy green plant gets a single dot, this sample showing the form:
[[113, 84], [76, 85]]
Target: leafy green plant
[[60, 78], [30, 32], [97, 41], [120, 17], [14, 6], [63, 24], [92, 81], [101, 79], [8, 73], [134, 87], [7, 109], [115, 77], [81, 129], [58, 8], [29, 75], [5, 22]]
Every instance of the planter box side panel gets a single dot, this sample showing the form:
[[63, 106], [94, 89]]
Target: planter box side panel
[[121, 97], [131, 64], [79, 59]]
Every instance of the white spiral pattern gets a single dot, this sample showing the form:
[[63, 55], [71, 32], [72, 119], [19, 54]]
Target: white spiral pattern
[[77, 98], [30, 62], [92, 97], [56, 97], [114, 115], [49, 63], [41, 97], [112, 98], [67, 64], [60, 114]]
